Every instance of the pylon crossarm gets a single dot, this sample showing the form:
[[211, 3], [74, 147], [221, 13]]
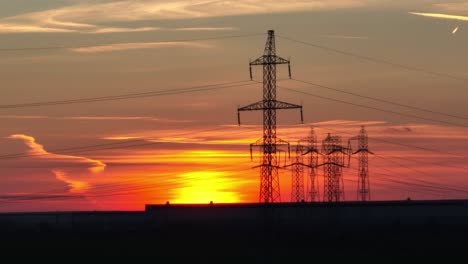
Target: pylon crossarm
[[269, 105], [312, 151], [363, 150], [269, 59], [284, 105], [282, 142], [253, 107], [330, 163], [341, 150], [299, 164]]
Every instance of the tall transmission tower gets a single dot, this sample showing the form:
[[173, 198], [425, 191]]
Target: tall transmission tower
[[334, 161], [363, 192], [269, 143], [310, 143], [297, 174]]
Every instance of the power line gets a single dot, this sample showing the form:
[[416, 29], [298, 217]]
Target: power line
[[109, 189], [106, 146], [427, 162], [375, 108], [422, 183], [380, 100], [448, 187], [389, 159], [402, 144], [162, 41], [411, 182], [377, 60], [389, 179], [392, 142], [192, 89]]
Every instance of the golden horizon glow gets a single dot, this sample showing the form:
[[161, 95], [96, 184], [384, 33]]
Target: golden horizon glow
[[205, 186]]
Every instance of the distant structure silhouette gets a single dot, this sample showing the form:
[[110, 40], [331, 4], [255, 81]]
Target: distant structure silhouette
[[363, 191], [310, 142], [297, 175], [269, 144], [334, 157]]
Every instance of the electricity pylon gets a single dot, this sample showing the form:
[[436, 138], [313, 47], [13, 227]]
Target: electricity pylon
[[363, 191], [310, 143], [297, 176], [334, 160], [269, 143]]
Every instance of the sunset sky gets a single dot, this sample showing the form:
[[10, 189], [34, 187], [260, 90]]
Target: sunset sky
[[186, 147]]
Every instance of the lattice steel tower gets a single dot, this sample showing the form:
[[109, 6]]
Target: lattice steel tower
[[363, 192], [334, 158], [269, 143], [310, 143], [297, 174]]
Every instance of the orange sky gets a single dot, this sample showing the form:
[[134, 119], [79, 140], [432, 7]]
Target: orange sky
[[204, 166], [186, 148]]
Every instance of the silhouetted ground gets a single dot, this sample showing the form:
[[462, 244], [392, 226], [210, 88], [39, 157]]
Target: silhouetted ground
[[278, 234]]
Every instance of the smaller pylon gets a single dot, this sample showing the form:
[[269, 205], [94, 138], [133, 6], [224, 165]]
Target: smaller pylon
[[310, 143], [363, 192], [297, 171], [334, 161]]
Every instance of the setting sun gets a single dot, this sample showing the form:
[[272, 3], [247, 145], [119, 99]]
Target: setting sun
[[202, 187]]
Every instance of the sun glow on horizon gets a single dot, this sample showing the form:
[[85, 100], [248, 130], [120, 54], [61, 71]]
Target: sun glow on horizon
[[202, 187]]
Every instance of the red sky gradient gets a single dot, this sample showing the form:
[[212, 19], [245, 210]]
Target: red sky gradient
[[203, 166], [187, 147]]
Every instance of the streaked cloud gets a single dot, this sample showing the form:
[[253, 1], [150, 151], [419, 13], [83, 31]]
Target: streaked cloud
[[22, 117], [207, 29], [121, 30], [453, 6], [29, 141], [98, 118], [88, 17], [120, 138], [348, 123], [37, 151], [137, 46], [441, 16], [74, 185], [344, 37], [25, 28]]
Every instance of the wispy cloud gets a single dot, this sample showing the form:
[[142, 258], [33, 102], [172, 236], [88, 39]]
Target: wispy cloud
[[74, 185], [207, 29], [120, 30], [89, 17], [25, 28], [57, 163], [344, 37], [38, 151], [348, 123], [137, 45], [22, 117], [98, 118], [453, 6], [441, 16], [29, 141]]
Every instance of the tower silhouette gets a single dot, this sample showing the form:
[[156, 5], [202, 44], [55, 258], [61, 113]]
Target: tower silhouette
[[269, 144], [363, 192]]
